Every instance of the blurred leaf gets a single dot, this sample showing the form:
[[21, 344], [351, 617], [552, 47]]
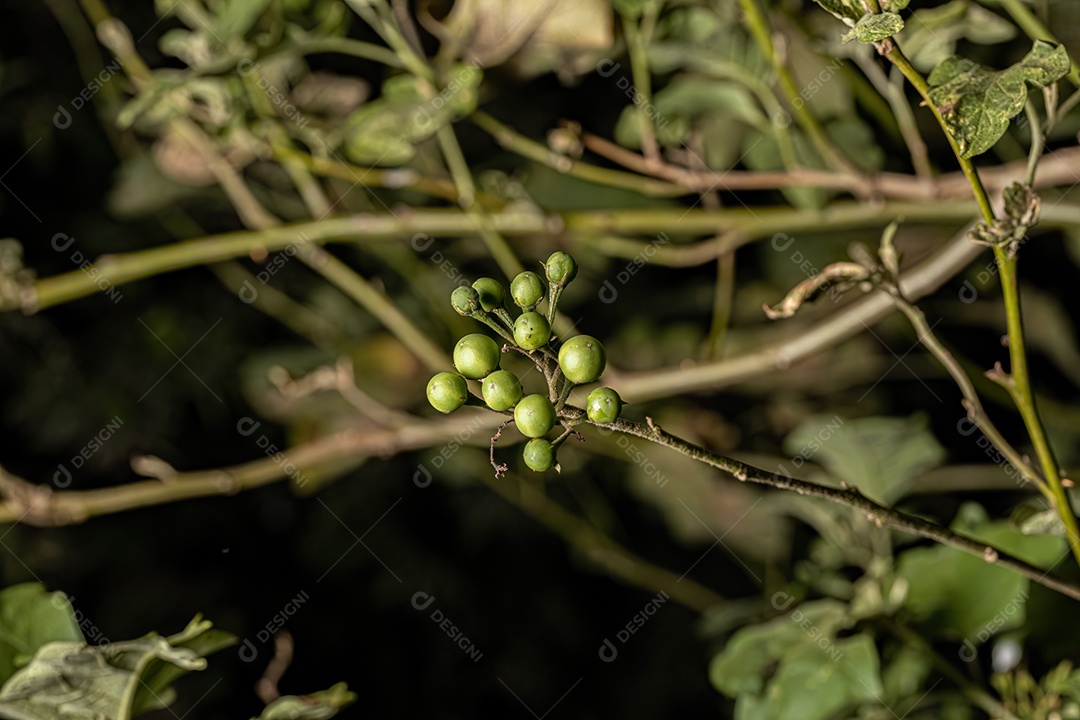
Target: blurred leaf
[[155, 689], [1037, 521], [72, 680], [567, 36], [977, 103], [382, 132], [688, 102], [761, 152], [323, 704], [932, 34], [740, 669], [894, 5], [850, 11], [876, 26], [878, 455], [807, 688], [960, 595], [235, 17], [29, 618]]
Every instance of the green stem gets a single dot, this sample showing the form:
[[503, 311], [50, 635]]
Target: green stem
[[639, 69], [377, 303], [1018, 382], [514, 141], [759, 29], [896, 56]]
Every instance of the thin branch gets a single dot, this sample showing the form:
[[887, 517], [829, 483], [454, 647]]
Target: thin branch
[[971, 398], [849, 496]]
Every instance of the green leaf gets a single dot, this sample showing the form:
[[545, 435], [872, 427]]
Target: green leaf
[[894, 5], [106, 682], [740, 668], [384, 131], [29, 618], [878, 455], [850, 11], [875, 27], [316, 706], [72, 680], [977, 103], [965, 597], [810, 686]]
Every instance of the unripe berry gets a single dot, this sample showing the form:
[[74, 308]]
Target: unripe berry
[[534, 416], [491, 293], [561, 268], [501, 390], [527, 289], [539, 454], [465, 300], [582, 359], [476, 356], [603, 405], [447, 391], [531, 331]]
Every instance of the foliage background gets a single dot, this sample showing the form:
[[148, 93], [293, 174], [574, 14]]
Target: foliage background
[[536, 609]]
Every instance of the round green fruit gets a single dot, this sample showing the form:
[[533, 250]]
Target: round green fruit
[[539, 454], [501, 390], [534, 416], [447, 391], [603, 405], [561, 268], [465, 300], [527, 289], [491, 293], [476, 356], [531, 331], [582, 359]]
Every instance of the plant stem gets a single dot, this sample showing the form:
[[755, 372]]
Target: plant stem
[[972, 402], [1018, 381], [892, 51], [848, 496], [987, 702], [377, 303], [514, 141], [759, 30]]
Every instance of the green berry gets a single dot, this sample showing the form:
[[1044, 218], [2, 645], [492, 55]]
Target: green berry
[[539, 454], [561, 268], [534, 415], [527, 289], [447, 391], [603, 405], [476, 356], [531, 331], [465, 300], [491, 293], [501, 390], [582, 359]]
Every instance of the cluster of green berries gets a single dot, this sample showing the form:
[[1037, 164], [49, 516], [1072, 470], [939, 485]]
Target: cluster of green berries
[[580, 360]]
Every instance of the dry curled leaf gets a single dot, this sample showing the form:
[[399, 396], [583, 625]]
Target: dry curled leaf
[[840, 274]]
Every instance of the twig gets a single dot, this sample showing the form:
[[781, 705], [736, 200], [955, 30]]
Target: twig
[[848, 496]]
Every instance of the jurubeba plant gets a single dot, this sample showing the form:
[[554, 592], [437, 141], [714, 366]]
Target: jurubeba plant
[[578, 360]]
